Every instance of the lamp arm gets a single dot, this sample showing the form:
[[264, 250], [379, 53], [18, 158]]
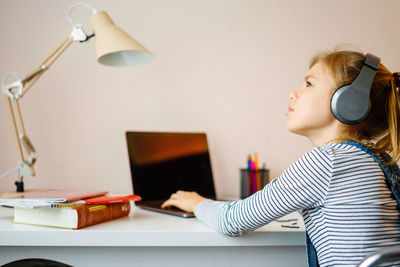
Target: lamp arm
[[26, 165], [32, 77], [16, 90]]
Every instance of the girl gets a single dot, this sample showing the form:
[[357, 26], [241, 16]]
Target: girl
[[340, 185]]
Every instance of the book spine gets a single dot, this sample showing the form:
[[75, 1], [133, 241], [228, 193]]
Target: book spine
[[94, 214]]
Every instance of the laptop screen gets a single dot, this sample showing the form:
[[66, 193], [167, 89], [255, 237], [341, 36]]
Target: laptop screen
[[164, 162]]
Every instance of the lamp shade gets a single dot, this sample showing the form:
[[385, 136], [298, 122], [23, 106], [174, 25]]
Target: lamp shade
[[115, 47]]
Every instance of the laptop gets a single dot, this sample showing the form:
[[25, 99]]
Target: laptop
[[162, 163]]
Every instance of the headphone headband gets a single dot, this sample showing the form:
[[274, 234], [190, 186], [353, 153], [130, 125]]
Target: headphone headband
[[372, 61]]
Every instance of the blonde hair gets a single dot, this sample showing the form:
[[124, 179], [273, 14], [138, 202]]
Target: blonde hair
[[380, 130]]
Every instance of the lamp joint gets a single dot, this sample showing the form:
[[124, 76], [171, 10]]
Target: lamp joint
[[13, 90], [78, 34]]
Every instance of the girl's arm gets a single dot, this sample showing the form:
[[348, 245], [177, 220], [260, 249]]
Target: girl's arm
[[303, 185]]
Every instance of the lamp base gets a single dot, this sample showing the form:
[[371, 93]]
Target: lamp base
[[20, 186]]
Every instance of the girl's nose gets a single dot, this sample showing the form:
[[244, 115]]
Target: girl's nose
[[293, 96]]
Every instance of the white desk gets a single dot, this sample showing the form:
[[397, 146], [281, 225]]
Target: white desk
[[152, 239]]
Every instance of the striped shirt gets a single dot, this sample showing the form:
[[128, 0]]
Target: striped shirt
[[347, 207]]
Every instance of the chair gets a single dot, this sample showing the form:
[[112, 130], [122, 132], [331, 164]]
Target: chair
[[35, 263], [383, 255]]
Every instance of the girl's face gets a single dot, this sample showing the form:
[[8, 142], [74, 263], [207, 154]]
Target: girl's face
[[309, 113]]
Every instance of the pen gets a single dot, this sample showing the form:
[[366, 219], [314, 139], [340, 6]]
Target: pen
[[290, 226], [288, 220], [253, 178], [258, 178], [104, 200], [249, 162], [249, 172]]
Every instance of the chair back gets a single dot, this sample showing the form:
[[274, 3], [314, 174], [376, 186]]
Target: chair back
[[383, 255]]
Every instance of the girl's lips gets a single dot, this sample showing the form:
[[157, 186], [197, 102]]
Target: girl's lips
[[290, 109]]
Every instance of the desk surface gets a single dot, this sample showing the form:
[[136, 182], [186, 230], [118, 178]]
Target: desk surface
[[145, 228]]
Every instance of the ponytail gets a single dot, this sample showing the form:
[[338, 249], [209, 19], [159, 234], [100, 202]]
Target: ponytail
[[390, 139], [393, 112]]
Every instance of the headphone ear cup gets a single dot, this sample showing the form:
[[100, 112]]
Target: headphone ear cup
[[347, 105], [336, 102], [350, 104]]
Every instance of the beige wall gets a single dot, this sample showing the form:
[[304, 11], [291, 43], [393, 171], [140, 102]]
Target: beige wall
[[221, 66]]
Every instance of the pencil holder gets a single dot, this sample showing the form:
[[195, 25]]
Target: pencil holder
[[252, 181]]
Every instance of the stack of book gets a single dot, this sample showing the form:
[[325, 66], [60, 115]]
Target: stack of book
[[68, 209]]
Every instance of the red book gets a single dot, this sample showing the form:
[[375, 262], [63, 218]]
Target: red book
[[72, 217], [111, 199]]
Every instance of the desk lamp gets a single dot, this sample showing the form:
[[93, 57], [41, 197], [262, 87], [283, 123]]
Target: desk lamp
[[113, 47]]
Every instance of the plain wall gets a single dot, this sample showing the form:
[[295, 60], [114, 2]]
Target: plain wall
[[223, 67]]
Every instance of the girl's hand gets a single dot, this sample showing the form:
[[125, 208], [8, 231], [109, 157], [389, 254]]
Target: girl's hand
[[184, 200]]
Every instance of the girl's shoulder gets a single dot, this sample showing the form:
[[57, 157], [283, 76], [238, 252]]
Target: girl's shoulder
[[338, 147], [333, 155], [337, 151]]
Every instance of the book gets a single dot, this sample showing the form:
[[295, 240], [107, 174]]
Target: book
[[111, 199], [69, 195], [47, 198], [72, 216]]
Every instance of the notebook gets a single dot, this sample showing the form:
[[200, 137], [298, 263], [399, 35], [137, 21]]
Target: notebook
[[163, 162]]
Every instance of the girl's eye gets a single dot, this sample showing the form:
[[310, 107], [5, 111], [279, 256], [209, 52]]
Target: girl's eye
[[308, 84]]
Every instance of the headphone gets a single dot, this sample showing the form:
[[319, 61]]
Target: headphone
[[350, 104]]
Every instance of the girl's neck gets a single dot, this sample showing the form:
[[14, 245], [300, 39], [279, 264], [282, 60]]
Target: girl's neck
[[325, 136]]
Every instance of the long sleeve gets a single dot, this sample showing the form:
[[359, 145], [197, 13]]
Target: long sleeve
[[303, 185], [206, 212]]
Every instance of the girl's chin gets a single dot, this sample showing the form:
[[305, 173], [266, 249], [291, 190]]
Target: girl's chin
[[293, 129]]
